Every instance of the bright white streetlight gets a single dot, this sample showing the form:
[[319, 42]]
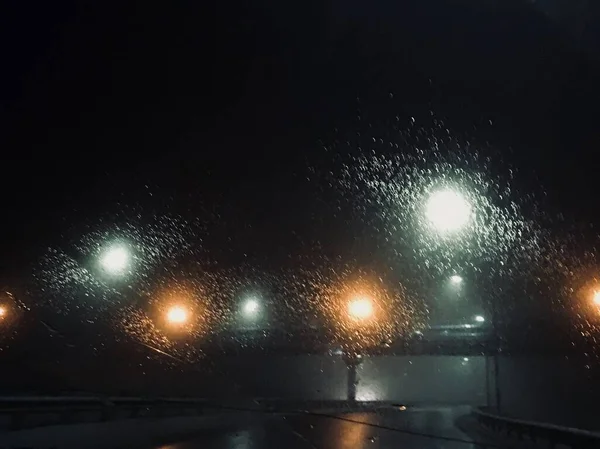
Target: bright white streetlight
[[448, 211], [479, 319], [251, 307], [115, 259], [456, 279]]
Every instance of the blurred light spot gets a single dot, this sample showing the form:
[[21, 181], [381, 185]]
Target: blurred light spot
[[456, 279], [447, 211], [2, 311], [115, 260], [369, 390], [251, 307], [177, 315], [479, 319], [336, 351], [596, 298], [360, 308]]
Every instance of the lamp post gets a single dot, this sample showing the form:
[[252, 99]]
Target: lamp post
[[449, 212]]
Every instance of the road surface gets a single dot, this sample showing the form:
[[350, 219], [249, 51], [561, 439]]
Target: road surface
[[389, 427]]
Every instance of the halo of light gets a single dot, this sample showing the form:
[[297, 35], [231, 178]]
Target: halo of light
[[479, 319], [360, 308], [177, 315], [251, 307], [115, 260], [2, 311], [448, 211], [456, 279], [596, 298]]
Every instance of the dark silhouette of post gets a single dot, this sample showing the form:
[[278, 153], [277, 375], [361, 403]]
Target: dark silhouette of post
[[352, 360]]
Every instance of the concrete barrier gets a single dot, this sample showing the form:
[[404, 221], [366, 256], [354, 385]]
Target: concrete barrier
[[129, 433]]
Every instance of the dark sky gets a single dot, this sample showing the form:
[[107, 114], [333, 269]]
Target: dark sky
[[219, 109]]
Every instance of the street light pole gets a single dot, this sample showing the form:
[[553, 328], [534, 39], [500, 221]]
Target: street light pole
[[352, 360], [496, 355]]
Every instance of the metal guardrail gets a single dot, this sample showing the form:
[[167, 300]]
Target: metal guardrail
[[21, 412], [535, 431]]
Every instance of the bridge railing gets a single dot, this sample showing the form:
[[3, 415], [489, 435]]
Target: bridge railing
[[22, 412], [536, 431]]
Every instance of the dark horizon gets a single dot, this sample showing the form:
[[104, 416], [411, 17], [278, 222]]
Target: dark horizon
[[236, 123]]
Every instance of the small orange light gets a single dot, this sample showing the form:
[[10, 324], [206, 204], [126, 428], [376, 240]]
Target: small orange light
[[2, 311], [596, 298]]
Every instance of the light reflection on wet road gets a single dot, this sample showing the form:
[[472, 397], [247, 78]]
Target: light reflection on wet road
[[310, 431]]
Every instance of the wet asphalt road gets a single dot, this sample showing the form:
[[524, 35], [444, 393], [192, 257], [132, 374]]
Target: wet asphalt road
[[421, 428]]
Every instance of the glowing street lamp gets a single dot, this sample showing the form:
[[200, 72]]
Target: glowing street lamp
[[596, 298], [177, 315], [447, 211], [360, 308], [456, 280], [251, 308], [115, 260]]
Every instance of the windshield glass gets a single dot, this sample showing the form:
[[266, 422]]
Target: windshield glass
[[322, 201]]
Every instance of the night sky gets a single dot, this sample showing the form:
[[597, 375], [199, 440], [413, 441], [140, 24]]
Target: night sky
[[232, 113]]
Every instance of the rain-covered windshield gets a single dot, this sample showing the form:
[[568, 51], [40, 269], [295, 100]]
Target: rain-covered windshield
[[248, 200]]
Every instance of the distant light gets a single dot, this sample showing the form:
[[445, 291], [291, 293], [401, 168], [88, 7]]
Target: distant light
[[456, 279], [479, 319], [177, 315], [115, 260], [465, 359], [251, 307], [402, 408], [596, 298], [2, 311], [360, 308], [448, 211]]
